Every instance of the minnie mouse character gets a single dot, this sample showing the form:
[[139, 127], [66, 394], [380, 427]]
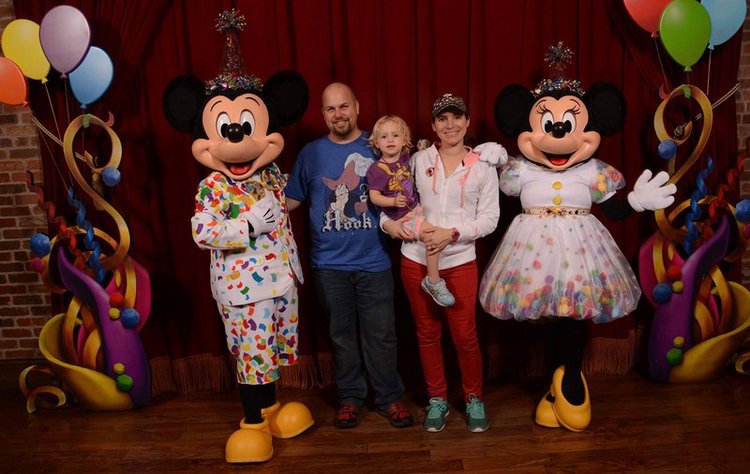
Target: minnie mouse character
[[556, 260], [241, 217]]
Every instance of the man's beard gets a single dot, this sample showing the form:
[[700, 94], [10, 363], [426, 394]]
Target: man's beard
[[343, 132]]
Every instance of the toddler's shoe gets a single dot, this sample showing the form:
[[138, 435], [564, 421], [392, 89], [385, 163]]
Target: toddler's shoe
[[476, 417], [437, 411], [439, 292]]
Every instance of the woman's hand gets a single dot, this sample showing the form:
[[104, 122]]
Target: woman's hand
[[436, 239]]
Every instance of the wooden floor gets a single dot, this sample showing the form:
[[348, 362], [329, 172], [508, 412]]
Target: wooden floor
[[637, 426]]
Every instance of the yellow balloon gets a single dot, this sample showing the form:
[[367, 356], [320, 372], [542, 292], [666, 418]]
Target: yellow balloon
[[21, 44]]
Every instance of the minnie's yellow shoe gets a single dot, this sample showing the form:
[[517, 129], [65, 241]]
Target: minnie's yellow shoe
[[250, 443], [288, 420], [572, 417], [545, 415]]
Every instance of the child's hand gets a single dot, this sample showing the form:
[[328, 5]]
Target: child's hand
[[400, 200]]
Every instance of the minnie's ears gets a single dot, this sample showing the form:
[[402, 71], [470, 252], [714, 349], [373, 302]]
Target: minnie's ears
[[512, 107]]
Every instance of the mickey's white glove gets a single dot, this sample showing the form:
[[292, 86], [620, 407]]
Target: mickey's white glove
[[651, 194], [263, 216], [492, 153]]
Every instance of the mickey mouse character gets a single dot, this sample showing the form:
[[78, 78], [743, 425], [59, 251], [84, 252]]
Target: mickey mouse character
[[241, 217], [556, 260]]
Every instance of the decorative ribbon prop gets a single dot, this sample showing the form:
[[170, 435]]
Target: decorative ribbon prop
[[701, 320], [93, 348]]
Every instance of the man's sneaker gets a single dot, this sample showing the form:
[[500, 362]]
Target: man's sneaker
[[437, 410], [397, 413], [477, 419], [439, 292], [346, 416]]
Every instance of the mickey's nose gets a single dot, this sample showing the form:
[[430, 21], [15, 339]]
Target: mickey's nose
[[235, 133], [559, 130]]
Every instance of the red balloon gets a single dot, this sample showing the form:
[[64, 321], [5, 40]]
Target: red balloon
[[13, 88], [647, 13]]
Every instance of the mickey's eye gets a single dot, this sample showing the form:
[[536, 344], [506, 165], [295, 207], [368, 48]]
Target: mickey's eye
[[222, 124], [547, 121], [248, 122], [569, 120]]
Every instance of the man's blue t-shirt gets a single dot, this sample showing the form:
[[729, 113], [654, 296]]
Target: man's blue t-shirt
[[343, 222]]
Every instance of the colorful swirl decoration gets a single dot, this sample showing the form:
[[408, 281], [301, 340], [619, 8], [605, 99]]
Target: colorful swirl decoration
[[93, 349], [702, 321]]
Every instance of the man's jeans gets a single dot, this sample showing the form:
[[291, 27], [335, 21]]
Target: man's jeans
[[363, 332]]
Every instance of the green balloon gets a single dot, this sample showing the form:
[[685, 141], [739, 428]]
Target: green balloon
[[685, 29]]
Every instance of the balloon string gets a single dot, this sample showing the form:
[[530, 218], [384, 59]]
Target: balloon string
[[49, 150], [680, 128], [661, 65], [67, 106], [52, 108], [708, 78]]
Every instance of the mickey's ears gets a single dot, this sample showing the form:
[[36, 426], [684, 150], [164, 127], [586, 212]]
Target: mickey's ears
[[182, 102]]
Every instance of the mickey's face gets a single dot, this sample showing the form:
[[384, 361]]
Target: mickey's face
[[238, 141], [557, 139]]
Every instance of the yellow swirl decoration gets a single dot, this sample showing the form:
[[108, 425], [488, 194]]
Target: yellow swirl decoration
[[72, 341], [121, 250], [721, 309]]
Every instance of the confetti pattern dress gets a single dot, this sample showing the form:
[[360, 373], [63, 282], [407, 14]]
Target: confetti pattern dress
[[253, 279], [556, 259]]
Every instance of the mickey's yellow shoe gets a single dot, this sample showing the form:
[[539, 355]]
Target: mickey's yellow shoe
[[250, 443], [288, 420], [572, 417], [545, 415]]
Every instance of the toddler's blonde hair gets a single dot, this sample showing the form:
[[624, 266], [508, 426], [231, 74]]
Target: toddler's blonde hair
[[400, 123]]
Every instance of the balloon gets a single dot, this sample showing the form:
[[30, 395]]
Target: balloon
[[726, 17], [684, 29], [91, 79], [12, 83], [647, 13], [65, 36], [21, 44]]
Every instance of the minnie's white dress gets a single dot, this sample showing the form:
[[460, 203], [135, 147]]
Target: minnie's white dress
[[557, 259]]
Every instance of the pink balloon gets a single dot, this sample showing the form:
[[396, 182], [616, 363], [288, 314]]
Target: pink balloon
[[13, 86], [65, 36], [647, 13]]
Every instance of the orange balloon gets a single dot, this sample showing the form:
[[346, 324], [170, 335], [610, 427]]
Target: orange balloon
[[13, 88]]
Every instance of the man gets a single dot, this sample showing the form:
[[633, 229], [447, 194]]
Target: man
[[351, 267]]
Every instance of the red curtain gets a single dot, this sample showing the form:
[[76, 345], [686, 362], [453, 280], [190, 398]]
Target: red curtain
[[398, 55]]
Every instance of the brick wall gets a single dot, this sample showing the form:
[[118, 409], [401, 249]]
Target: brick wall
[[743, 130], [24, 300]]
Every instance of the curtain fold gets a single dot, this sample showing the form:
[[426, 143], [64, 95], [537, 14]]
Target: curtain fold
[[398, 55]]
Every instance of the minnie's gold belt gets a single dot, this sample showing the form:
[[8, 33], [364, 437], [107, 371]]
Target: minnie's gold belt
[[556, 211]]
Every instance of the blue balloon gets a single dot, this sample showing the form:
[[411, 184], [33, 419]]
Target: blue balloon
[[111, 176], [91, 79], [40, 245], [727, 16]]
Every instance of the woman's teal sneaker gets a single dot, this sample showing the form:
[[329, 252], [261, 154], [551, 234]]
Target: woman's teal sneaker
[[437, 410], [477, 418]]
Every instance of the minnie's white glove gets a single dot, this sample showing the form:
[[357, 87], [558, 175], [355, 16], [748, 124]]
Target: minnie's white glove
[[263, 216], [492, 153], [651, 194]]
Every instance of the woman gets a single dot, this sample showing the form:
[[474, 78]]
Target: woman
[[459, 195]]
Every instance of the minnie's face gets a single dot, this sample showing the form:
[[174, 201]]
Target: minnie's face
[[238, 141], [557, 139]]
